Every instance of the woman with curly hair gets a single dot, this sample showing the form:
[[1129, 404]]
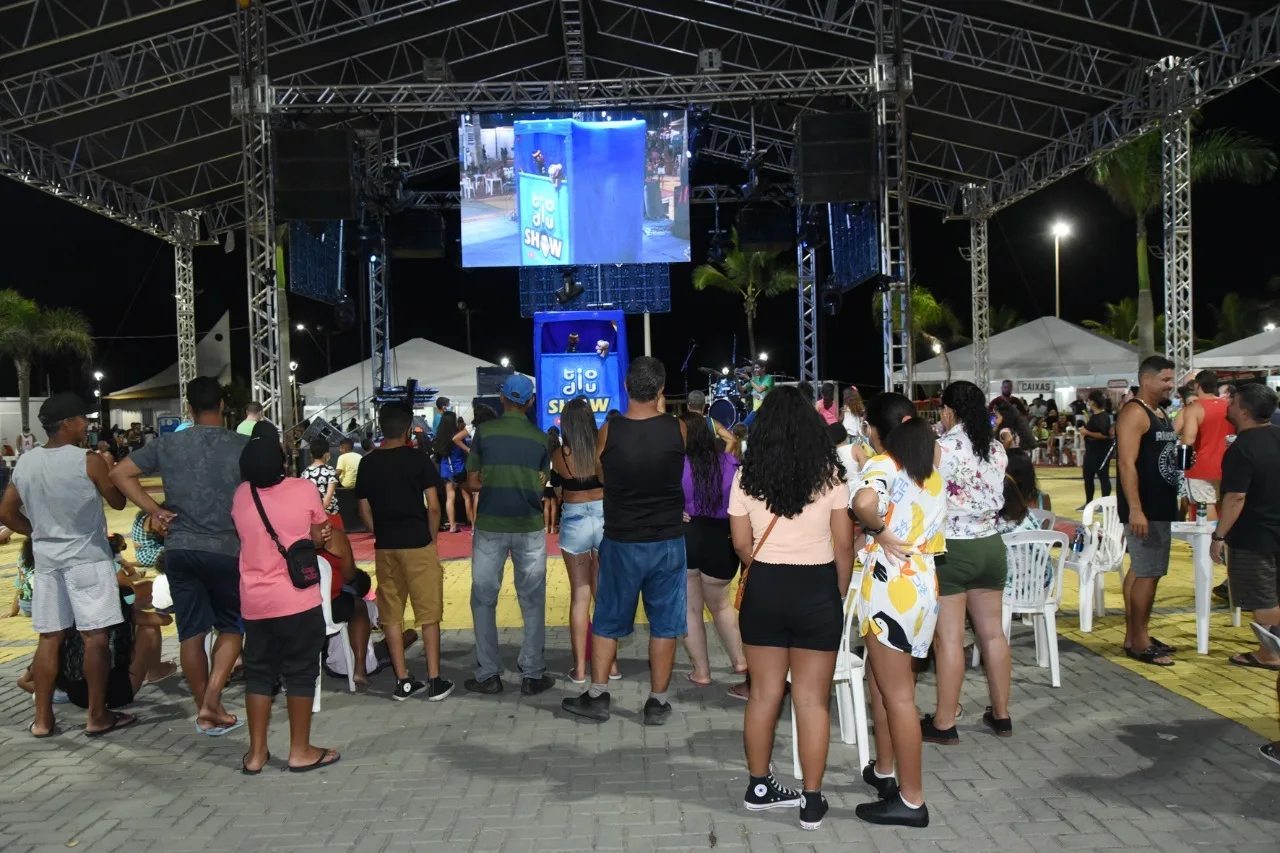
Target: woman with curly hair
[[788, 514], [581, 522], [971, 577], [709, 556], [902, 510]]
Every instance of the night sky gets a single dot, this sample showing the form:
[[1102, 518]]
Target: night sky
[[123, 280]]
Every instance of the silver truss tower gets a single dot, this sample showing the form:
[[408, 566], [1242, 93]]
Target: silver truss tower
[[893, 86], [574, 49], [1174, 81], [977, 206], [375, 269], [251, 99], [186, 231], [807, 290]]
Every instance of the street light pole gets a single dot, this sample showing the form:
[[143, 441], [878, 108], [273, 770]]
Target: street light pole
[[1059, 230], [328, 364], [467, 312]]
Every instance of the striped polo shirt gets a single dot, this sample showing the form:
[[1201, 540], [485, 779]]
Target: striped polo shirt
[[511, 455]]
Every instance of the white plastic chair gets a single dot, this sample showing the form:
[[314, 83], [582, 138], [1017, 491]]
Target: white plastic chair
[[326, 607], [1105, 555], [851, 698], [1044, 518], [1033, 591]]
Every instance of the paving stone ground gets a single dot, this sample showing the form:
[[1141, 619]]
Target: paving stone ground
[[1108, 761]]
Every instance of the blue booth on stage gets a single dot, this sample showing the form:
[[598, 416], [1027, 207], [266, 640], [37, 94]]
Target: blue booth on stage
[[563, 375], [580, 191]]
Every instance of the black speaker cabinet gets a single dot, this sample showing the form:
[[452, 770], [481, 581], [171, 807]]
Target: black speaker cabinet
[[836, 158], [315, 175]]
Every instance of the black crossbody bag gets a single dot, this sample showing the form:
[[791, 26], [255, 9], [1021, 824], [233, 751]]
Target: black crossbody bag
[[301, 558]]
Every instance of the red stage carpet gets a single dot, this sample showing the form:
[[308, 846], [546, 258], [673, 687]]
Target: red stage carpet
[[452, 546]]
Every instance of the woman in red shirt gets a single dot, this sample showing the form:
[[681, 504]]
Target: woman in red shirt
[[284, 626]]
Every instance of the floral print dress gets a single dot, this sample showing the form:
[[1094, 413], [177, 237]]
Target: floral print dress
[[897, 603]]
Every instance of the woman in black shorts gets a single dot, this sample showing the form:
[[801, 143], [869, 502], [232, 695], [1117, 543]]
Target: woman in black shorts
[[712, 564], [789, 508]]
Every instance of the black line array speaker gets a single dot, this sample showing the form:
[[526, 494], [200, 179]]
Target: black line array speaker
[[315, 176], [836, 158]]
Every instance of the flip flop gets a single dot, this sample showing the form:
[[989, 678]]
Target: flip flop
[[319, 764], [732, 694], [219, 731], [689, 677], [1149, 656], [118, 721], [1249, 659], [53, 731], [1270, 751], [246, 771], [615, 676], [1268, 638]]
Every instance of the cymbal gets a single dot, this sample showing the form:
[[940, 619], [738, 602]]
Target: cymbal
[[708, 371]]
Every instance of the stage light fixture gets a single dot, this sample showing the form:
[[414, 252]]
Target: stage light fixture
[[570, 291]]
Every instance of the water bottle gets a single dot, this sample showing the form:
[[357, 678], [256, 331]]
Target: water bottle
[[1077, 541], [1202, 512]]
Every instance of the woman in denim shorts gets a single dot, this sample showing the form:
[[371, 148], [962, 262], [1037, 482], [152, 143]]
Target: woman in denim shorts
[[581, 522]]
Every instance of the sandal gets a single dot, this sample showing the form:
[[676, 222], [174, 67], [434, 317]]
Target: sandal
[[1151, 656], [1270, 751], [1162, 646], [323, 761], [696, 682], [52, 731], [1250, 659], [118, 721], [244, 768]]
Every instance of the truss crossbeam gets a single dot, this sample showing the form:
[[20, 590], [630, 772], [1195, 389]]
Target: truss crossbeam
[[574, 47]]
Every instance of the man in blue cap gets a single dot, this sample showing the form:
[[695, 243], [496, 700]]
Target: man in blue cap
[[508, 466]]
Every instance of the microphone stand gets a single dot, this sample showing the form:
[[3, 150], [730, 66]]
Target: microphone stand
[[684, 368]]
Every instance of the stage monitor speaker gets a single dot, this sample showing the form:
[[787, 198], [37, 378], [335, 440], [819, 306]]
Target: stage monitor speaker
[[314, 174], [417, 234], [836, 158], [766, 226]]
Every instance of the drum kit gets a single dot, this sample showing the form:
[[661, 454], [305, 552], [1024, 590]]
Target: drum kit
[[729, 394]]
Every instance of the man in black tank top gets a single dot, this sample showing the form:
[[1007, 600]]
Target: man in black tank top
[[640, 460], [1147, 458]]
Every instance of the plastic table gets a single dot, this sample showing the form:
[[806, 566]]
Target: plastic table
[[1199, 535]]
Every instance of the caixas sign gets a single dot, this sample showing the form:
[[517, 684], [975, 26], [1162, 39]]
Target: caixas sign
[[1033, 386]]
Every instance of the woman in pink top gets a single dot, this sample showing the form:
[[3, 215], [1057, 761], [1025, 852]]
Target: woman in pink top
[[284, 627], [827, 406], [791, 493]]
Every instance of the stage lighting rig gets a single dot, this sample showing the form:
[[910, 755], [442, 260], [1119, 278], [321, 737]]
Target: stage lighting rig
[[570, 291]]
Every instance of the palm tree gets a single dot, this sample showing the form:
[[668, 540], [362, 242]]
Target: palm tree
[[750, 277], [932, 322], [1003, 319], [1235, 318], [1131, 176], [29, 332], [1121, 322]]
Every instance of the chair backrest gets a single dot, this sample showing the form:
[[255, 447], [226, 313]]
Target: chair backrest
[[846, 640], [326, 588], [1110, 550], [1045, 519], [1035, 572]]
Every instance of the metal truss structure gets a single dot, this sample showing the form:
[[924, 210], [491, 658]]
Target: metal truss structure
[[186, 234], [373, 227], [977, 206], [893, 87], [123, 109], [1171, 80], [807, 295]]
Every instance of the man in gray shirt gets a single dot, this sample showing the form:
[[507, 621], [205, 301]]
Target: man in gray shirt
[[61, 485], [200, 468]]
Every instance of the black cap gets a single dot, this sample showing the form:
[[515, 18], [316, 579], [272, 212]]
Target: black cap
[[63, 406]]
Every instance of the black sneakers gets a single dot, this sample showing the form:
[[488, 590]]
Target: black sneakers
[[438, 688], [893, 812], [765, 793], [885, 788], [932, 734], [655, 712], [585, 706], [812, 808], [490, 686], [1002, 727], [534, 686], [406, 687]]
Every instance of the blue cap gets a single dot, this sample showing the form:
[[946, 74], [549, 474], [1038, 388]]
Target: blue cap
[[518, 389]]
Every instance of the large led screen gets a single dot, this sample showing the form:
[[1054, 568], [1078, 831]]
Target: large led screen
[[559, 188]]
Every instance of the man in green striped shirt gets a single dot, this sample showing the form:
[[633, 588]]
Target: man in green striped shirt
[[508, 466]]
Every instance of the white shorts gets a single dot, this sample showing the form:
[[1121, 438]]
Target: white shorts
[[1202, 491], [84, 597]]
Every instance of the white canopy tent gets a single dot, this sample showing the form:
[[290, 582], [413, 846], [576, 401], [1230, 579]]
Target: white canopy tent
[[1048, 355], [143, 402], [451, 372], [1255, 352]]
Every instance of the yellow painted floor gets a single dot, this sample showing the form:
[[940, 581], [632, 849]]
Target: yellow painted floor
[[1247, 696]]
